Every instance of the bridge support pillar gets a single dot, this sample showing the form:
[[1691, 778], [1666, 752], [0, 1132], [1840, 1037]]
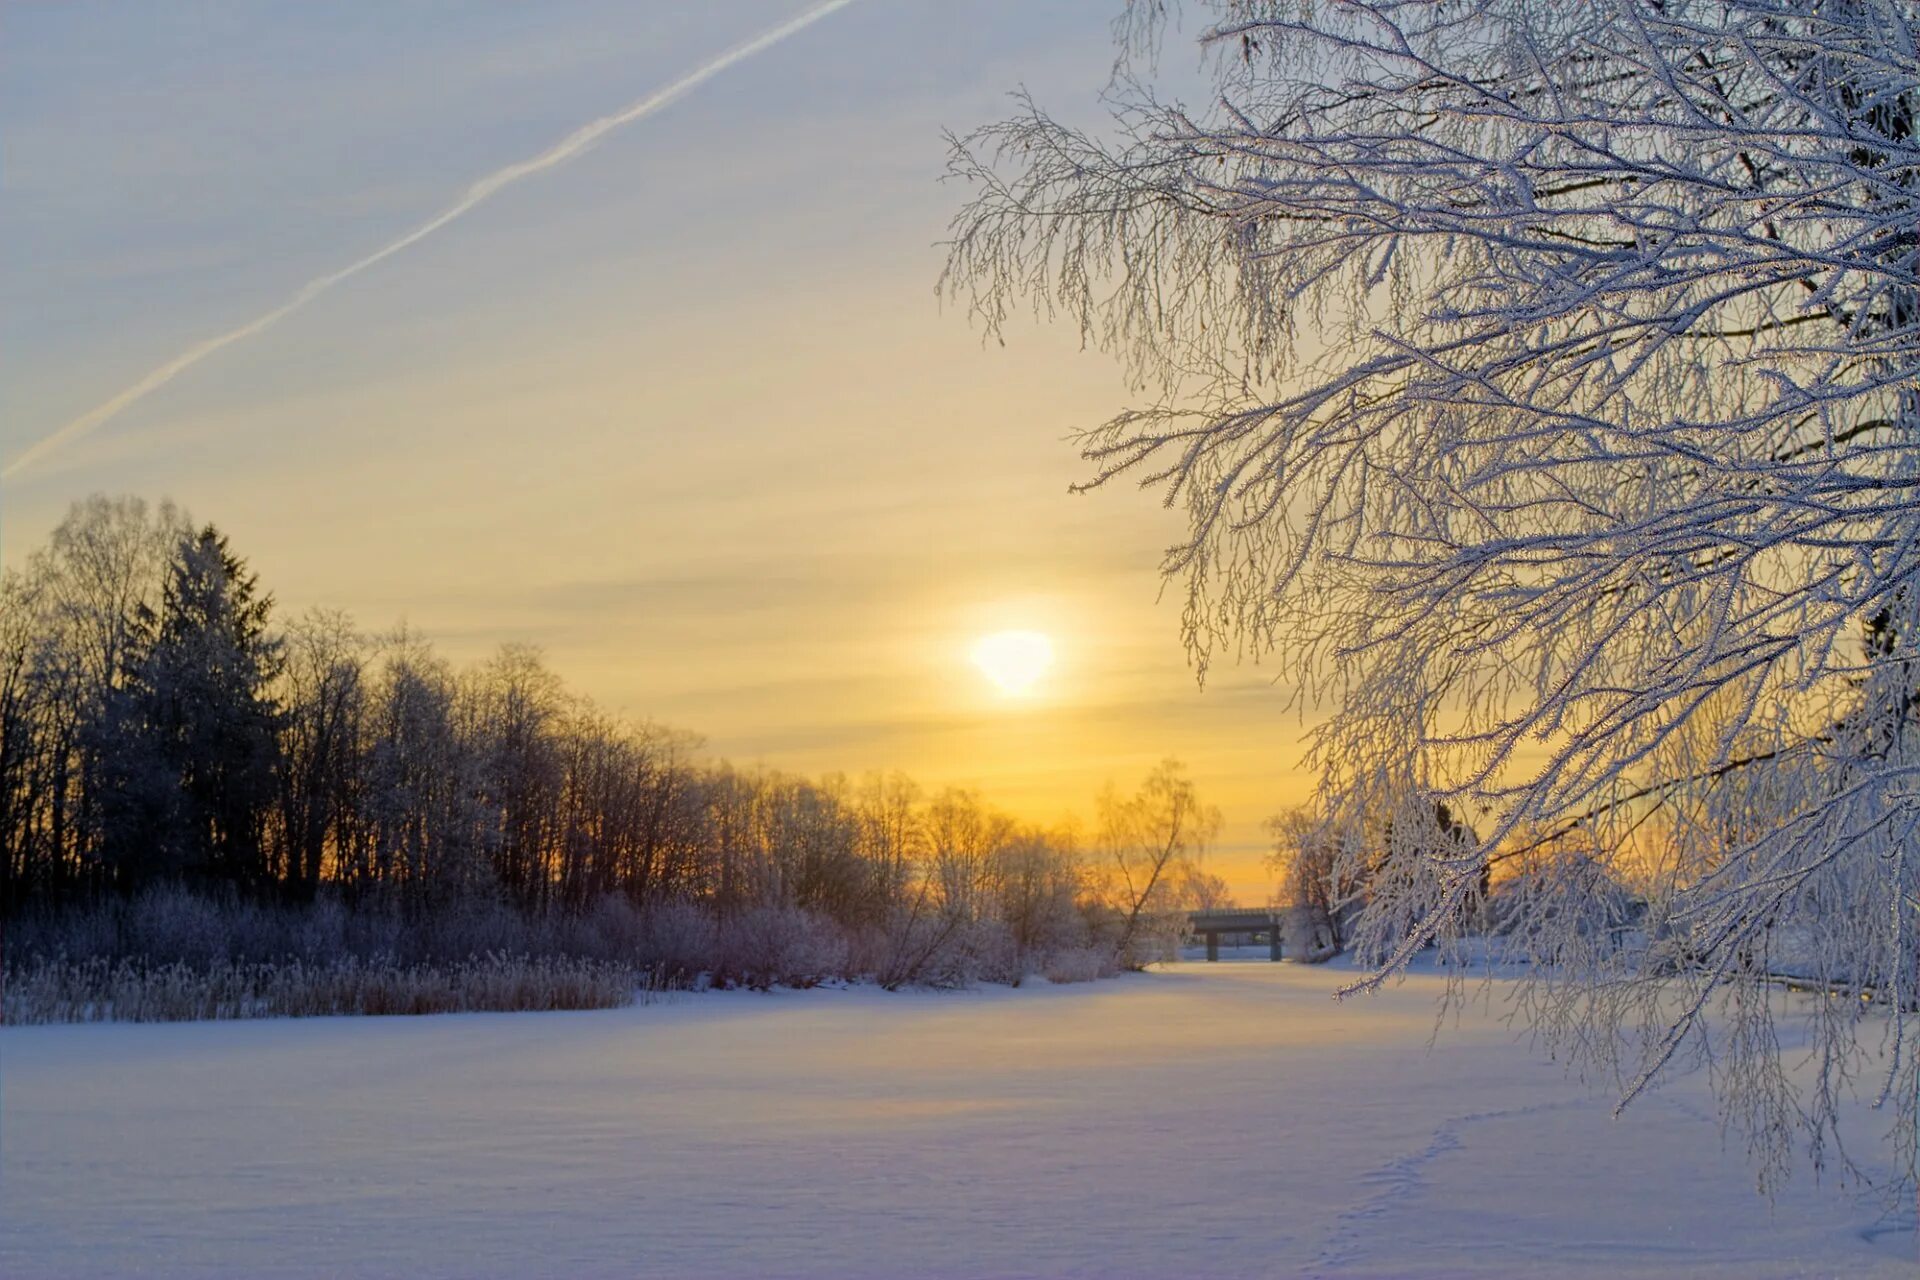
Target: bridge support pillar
[[1273, 943], [1213, 945]]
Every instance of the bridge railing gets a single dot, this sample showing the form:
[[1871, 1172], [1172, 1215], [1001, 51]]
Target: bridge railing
[[1211, 924]]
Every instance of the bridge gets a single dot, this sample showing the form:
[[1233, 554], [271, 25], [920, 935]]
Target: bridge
[[1255, 920]]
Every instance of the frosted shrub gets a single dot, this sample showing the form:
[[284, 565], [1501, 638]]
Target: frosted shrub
[[174, 950], [680, 940], [985, 951], [1307, 934], [370, 931], [941, 950], [1154, 941], [47, 991], [910, 943], [869, 949], [79, 933], [786, 946], [1079, 964], [1562, 904], [946, 958], [170, 923], [321, 932], [470, 926], [612, 930]]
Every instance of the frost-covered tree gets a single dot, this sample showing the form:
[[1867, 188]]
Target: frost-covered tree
[[325, 700], [516, 706], [1317, 888], [1539, 378], [964, 837], [1145, 845], [1037, 883], [425, 827], [69, 619]]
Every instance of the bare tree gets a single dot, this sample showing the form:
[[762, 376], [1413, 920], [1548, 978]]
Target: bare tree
[[325, 697], [1203, 890], [73, 619], [516, 705], [1538, 376], [426, 828], [891, 833], [1037, 880], [963, 838], [1146, 843]]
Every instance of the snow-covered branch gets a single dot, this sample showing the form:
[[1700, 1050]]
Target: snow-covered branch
[[1539, 379]]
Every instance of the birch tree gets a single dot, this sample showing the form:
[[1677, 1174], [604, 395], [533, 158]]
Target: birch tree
[[1538, 378], [67, 641], [1146, 843]]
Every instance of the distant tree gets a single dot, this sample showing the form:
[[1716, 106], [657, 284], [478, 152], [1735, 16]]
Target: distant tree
[[517, 707], [731, 872], [72, 614], [814, 834], [1037, 878], [1318, 891], [427, 828], [27, 863], [324, 693], [1203, 890], [607, 834], [670, 852], [964, 838], [190, 757], [891, 832], [1145, 843]]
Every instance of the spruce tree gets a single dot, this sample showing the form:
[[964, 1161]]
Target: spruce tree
[[194, 754]]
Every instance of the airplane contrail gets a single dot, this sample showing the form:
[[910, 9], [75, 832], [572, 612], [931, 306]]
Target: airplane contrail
[[567, 148]]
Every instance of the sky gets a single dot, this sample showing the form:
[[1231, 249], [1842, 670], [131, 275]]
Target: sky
[[684, 410]]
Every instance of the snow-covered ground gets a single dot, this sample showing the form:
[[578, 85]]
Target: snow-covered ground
[[1209, 1119]]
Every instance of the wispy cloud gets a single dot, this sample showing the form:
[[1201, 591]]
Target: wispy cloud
[[574, 144]]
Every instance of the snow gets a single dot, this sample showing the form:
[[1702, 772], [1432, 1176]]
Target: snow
[[1223, 1119]]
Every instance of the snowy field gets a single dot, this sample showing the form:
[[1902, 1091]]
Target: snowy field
[[1225, 1120]]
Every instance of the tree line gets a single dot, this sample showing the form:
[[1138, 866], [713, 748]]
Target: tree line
[[163, 730]]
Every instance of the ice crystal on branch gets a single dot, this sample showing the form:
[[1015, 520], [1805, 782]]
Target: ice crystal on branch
[[1539, 378]]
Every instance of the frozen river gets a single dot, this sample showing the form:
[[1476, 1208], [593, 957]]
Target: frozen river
[[1225, 1119]]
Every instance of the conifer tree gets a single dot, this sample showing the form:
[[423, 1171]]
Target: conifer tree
[[193, 752]]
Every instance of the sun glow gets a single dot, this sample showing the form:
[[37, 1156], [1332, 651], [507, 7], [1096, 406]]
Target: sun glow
[[1014, 660]]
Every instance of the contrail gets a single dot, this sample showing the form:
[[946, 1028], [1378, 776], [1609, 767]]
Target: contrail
[[580, 140]]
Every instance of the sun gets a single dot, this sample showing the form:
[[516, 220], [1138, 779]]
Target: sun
[[1014, 660]]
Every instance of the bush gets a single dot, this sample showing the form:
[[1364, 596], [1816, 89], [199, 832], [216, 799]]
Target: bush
[[98, 990], [679, 940], [1308, 934], [780, 946], [170, 923], [979, 951], [171, 954], [1080, 964]]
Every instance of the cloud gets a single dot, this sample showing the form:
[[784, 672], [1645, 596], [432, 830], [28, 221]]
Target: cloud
[[574, 144]]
